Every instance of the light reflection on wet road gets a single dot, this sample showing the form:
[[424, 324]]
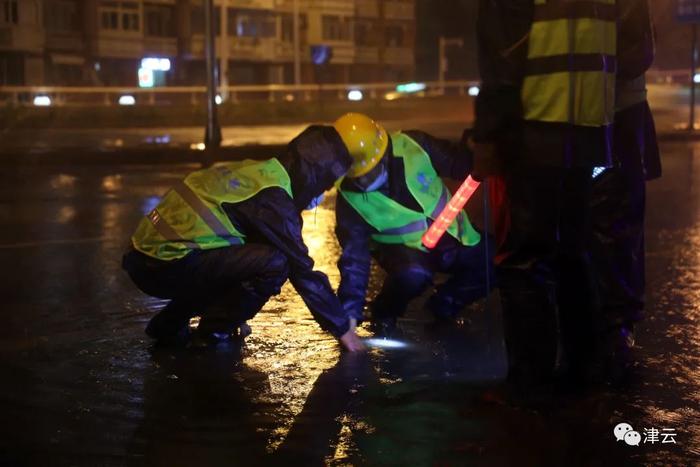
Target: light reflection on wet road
[[82, 385]]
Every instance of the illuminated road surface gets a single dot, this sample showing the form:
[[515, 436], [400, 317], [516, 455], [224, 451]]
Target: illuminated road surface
[[670, 105], [81, 384], [41, 140]]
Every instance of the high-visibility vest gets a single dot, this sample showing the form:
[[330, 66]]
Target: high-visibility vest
[[570, 73], [191, 216], [398, 224]]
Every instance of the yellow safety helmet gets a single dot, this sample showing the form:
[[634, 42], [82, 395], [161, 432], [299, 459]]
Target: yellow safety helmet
[[365, 139]]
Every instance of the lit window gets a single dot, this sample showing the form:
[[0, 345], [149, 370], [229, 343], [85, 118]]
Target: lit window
[[251, 23]]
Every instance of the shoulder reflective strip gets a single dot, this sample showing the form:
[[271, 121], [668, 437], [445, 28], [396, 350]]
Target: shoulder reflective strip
[[575, 10], [440, 205], [413, 227], [203, 211], [571, 63], [167, 232]]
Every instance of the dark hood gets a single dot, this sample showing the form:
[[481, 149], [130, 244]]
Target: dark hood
[[314, 161]]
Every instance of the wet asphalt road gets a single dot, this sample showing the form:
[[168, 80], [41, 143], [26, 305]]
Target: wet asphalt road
[[670, 104], [82, 385]]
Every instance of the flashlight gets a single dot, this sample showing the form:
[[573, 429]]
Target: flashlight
[[448, 215]]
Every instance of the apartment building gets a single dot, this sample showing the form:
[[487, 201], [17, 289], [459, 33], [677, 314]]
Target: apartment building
[[102, 42]]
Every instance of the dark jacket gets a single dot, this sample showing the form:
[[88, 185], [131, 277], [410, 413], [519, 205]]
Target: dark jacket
[[635, 132], [503, 29], [354, 233], [314, 160]]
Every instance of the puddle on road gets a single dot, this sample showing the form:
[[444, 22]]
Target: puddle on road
[[84, 386]]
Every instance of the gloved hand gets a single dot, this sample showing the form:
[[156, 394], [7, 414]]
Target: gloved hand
[[486, 161], [351, 342]]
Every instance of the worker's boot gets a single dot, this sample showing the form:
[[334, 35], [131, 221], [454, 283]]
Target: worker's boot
[[616, 353], [445, 309], [170, 326]]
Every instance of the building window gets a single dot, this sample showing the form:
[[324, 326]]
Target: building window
[[9, 11], [287, 33], [251, 23], [124, 16], [336, 28], [11, 69], [61, 16], [197, 20], [365, 34], [394, 36], [159, 20]]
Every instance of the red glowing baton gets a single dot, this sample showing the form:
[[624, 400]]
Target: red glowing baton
[[448, 215]]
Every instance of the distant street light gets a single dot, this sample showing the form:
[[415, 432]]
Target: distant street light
[[224, 48], [443, 65], [42, 101], [297, 52], [355, 95], [127, 100], [212, 137], [474, 91]]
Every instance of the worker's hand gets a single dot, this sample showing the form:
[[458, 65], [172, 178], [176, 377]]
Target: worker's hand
[[351, 342], [486, 162]]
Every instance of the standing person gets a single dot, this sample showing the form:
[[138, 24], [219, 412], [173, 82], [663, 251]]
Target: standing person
[[224, 240], [545, 114], [384, 207], [619, 195]]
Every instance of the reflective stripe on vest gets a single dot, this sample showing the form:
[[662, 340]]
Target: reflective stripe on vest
[[168, 232], [397, 224], [570, 74], [191, 215]]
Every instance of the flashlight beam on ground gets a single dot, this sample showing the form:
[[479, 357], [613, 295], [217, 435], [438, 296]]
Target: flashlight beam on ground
[[385, 343], [448, 215]]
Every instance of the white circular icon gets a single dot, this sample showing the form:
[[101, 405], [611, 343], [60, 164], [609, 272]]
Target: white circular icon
[[633, 438], [621, 430]]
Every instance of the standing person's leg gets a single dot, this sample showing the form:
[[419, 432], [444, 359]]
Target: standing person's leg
[[409, 274], [618, 207], [469, 278], [527, 275], [576, 293]]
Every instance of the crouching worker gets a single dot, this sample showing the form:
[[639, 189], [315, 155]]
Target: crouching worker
[[385, 205], [225, 240]]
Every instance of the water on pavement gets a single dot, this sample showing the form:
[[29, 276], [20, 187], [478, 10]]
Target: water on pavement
[[82, 385]]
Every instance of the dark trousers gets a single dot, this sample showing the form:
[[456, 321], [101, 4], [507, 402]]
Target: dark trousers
[[618, 205], [544, 273], [618, 245], [410, 272], [225, 286]]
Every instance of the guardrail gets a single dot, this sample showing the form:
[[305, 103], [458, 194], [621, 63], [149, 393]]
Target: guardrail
[[678, 76], [69, 96]]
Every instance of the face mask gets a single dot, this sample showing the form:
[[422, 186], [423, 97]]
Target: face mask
[[375, 184], [315, 202]]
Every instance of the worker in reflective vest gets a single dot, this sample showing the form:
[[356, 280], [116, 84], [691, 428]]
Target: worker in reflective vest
[[385, 205], [618, 202], [543, 120], [225, 239]]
